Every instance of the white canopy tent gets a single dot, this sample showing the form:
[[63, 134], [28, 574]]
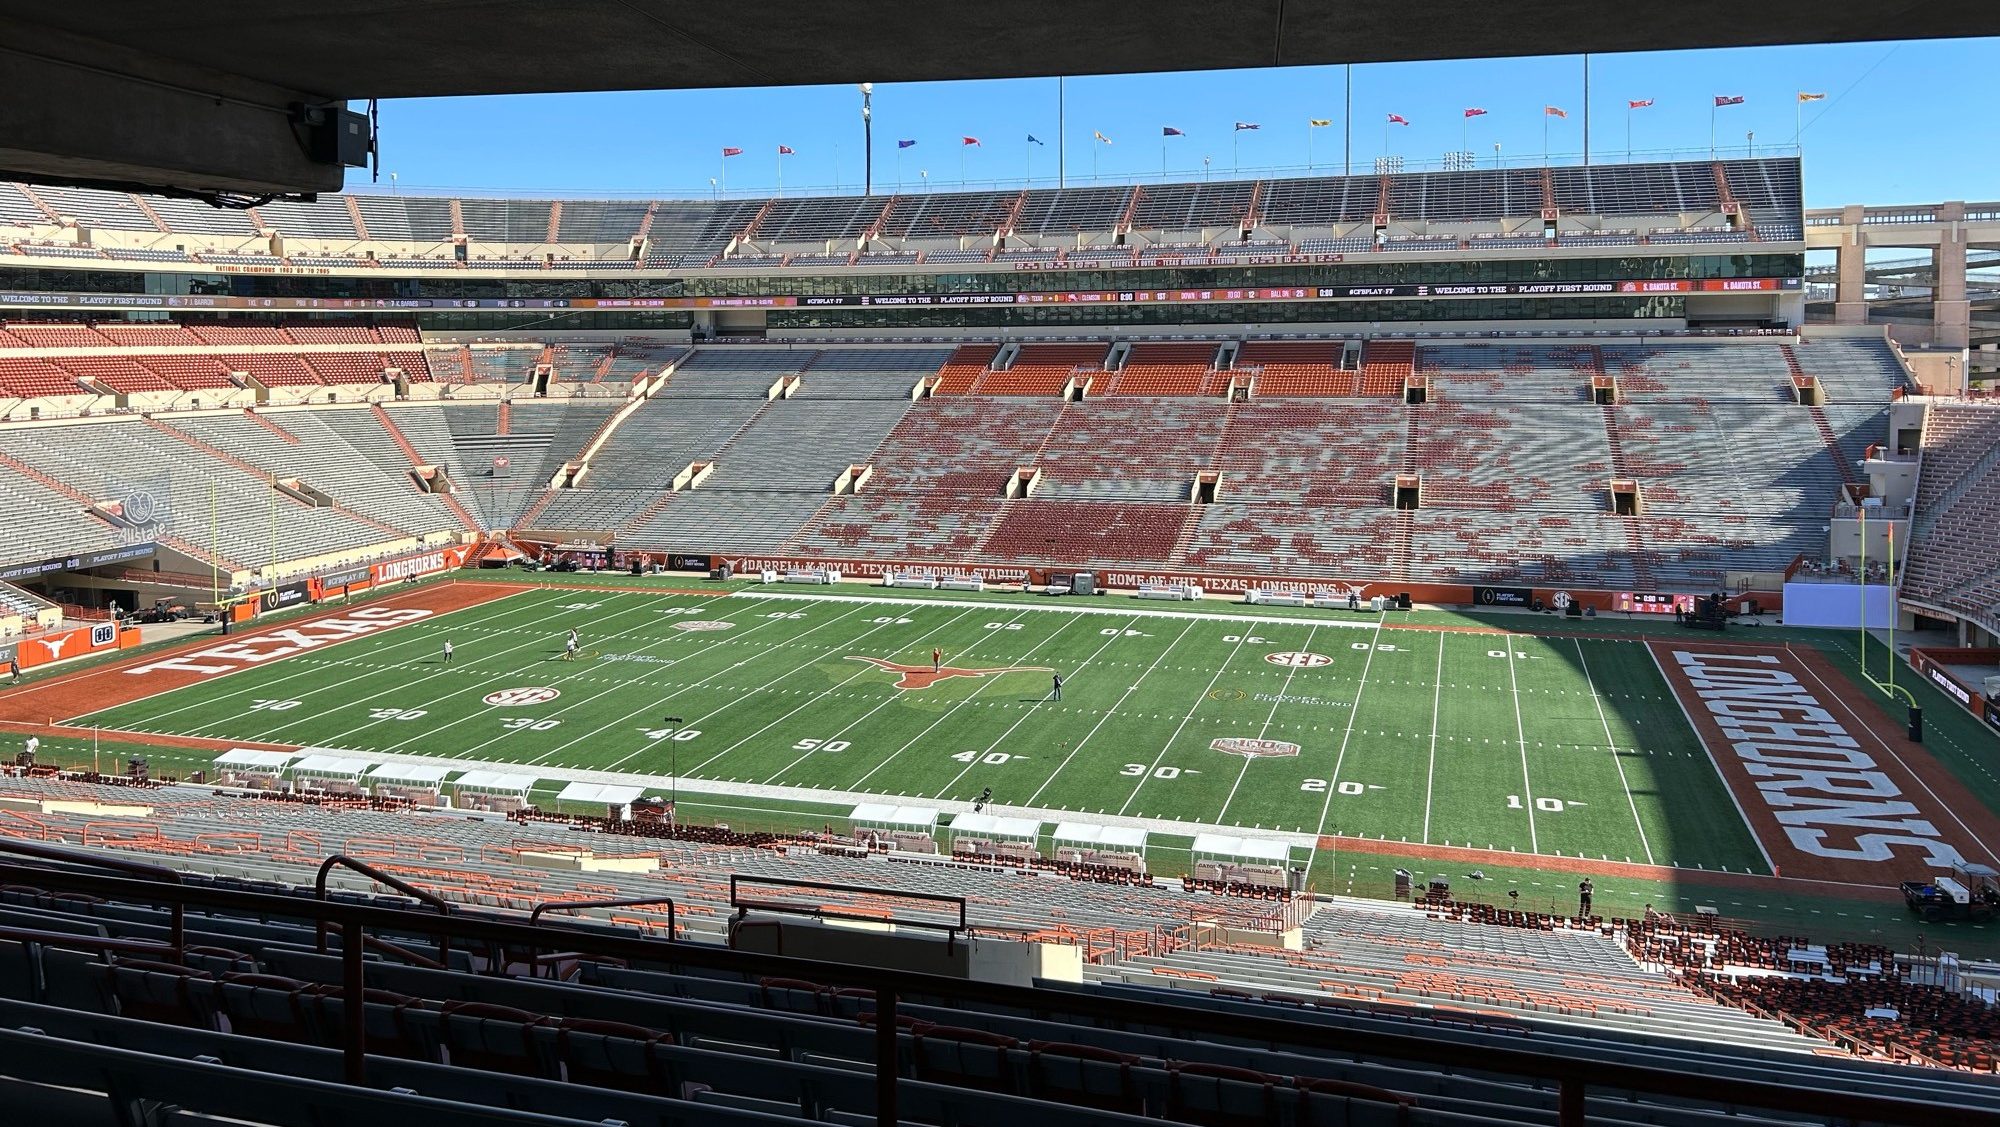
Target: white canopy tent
[[495, 782], [993, 828], [607, 794], [243, 759], [1261, 850], [329, 768], [884, 816], [409, 774], [1092, 836]]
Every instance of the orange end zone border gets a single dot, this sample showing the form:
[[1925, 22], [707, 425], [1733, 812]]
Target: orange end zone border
[[1832, 792], [43, 704]]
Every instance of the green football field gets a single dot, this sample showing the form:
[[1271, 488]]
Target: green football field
[[1537, 745]]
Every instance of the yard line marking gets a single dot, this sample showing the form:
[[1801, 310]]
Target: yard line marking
[[1031, 710], [1199, 697], [654, 705], [1521, 735], [1437, 702], [1353, 710], [305, 664], [497, 679], [1613, 744], [888, 700], [862, 670], [1061, 767], [1223, 814], [661, 667]]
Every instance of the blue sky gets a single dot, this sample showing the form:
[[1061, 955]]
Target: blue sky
[[1910, 122]]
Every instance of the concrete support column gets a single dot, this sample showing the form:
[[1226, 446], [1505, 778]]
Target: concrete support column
[[1850, 297], [1951, 314]]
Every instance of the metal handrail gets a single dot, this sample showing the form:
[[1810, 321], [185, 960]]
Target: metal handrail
[[1574, 1075], [372, 873], [744, 906], [176, 916], [673, 927]]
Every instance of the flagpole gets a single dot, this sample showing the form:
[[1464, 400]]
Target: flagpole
[[1545, 136], [781, 174], [1586, 109], [1347, 110], [1711, 128], [1628, 131], [1029, 151], [1233, 165], [1062, 138], [1163, 156], [899, 168], [1797, 116], [1093, 159], [1309, 147]]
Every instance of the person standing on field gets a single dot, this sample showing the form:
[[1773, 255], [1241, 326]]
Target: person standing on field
[[569, 646], [447, 651], [1055, 687], [937, 659]]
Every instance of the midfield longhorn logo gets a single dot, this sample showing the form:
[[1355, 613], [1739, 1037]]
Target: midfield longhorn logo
[[923, 676]]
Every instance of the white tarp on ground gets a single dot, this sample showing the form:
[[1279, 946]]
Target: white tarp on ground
[[1268, 850], [409, 774], [610, 794], [1125, 838], [986, 825], [922, 818], [254, 760], [495, 782], [1839, 604]]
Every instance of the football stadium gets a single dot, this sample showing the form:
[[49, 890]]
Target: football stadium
[[1501, 640]]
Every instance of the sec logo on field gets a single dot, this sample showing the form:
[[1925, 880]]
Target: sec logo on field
[[515, 698], [1298, 659]]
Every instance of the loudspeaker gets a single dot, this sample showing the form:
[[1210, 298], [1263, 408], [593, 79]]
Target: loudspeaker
[[635, 567], [1403, 601], [1916, 724]]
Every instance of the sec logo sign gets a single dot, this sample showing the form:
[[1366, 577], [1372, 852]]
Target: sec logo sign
[[515, 698], [1298, 659]]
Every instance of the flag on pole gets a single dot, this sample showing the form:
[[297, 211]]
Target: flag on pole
[[973, 141], [1398, 119], [1729, 99], [1170, 131], [785, 151], [1034, 140], [732, 152], [1096, 135], [1318, 122], [1805, 97], [1638, 103], [1474, 111], [1555, 111], [905, 144], [1242, 125]]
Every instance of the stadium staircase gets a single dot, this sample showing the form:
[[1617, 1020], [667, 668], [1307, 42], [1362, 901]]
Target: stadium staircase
[[403, 443], [967, 363], [1386, 367], [1848, 474], [264, 421], [177, 543], [153, 217], [360, 224], [555, 222], [505, 412], [41, 204], [457, 219], [269, 476]]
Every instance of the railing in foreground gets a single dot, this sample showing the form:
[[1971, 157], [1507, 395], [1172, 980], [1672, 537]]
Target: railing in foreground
[[1573, 1077]]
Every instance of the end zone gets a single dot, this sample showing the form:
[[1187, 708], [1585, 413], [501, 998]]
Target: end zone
[[134, 679], [1831, 792]]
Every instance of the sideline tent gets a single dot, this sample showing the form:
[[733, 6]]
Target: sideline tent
[[321, 769], [1258, 850], [258, 769], [883, 816], [992, 828], [499, 783], [409, 774], [1089, 835], [608, 794]]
